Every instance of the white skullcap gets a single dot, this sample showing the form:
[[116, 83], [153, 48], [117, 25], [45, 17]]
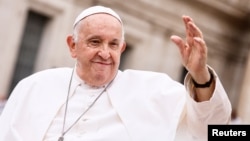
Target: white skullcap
[[95, 10]]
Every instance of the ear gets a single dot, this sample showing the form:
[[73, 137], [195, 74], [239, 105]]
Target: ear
[[123, 47], [72, 46]]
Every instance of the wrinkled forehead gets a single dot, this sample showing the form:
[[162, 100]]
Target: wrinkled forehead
[[96, 10]]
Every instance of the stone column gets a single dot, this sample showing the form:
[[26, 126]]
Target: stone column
[[244, 100], [13, 15]]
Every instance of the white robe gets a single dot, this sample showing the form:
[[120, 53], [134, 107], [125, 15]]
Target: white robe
[[151, 105]]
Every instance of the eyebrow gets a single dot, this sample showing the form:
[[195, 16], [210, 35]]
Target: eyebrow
[[99, 37]]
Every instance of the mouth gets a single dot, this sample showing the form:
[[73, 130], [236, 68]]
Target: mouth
[[103, 63], [101, 67]]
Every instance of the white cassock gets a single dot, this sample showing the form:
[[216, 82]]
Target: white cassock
[[137, 106]]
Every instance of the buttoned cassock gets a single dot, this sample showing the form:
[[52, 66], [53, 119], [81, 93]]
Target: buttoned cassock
[[151, 106]]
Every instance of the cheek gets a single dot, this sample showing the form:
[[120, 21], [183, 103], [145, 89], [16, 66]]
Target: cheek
[[73, 54], [117, 57], [86, 54]]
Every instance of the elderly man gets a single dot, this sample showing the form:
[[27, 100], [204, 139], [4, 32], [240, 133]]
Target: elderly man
[[94, 101]]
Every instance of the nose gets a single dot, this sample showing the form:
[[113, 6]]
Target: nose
[[104, 52]]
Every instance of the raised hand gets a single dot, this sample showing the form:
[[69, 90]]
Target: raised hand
[[193, 51]]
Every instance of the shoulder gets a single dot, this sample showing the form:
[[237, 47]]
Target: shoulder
[[53, 71], [147, 78], [46, 80], [142, 74], [54, 74], [147, 83]]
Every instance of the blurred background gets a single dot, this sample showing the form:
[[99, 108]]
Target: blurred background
[[33, 38]]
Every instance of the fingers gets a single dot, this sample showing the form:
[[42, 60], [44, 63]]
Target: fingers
[[201, 45], [194, 39], [179, 43], [191, 30]]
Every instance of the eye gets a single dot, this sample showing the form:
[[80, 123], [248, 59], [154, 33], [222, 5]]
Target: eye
[[94, 43], [114, 45]]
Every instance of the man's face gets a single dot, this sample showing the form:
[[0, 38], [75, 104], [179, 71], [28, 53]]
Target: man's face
[[98, 48]]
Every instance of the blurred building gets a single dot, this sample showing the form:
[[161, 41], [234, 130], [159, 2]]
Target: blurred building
[[33, 38]]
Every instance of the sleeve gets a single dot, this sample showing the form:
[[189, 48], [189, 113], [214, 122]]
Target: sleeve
[[196, 116]]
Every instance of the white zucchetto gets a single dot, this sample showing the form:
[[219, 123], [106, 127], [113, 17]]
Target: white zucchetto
[[95, 10]]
